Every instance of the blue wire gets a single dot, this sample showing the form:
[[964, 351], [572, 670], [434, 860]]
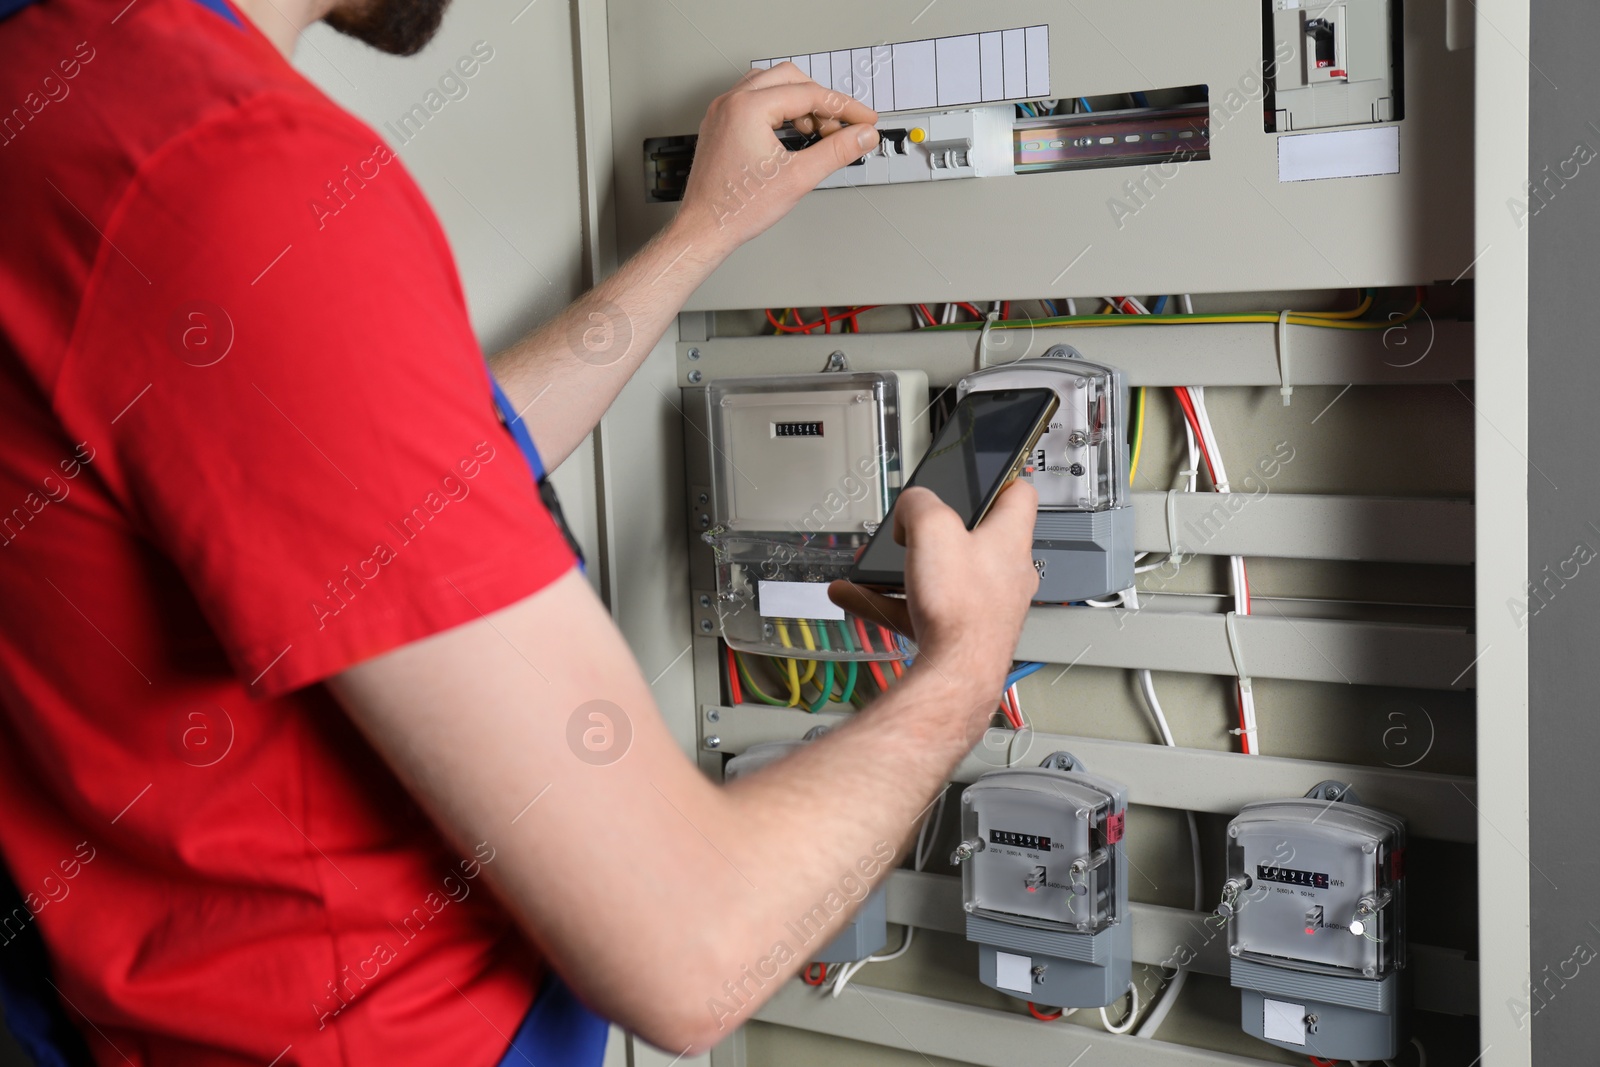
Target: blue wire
[[1161, 302], [1141, 99], [1021, 671], [1084, 100]]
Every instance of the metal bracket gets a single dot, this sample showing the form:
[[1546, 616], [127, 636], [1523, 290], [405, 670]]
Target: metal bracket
[[836, 362], [1333, 792], [1061, 761]]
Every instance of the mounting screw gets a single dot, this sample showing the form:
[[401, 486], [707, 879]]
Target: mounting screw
[[837, 362], [1077, 438], [705, 520], [712, 715], [694, 377], [705, 626], [1076, 470], [713, 741], [1311, 1023], [969, 906], [1233, 831], [1062, 352], [694, 353], [701, 499], [705, 601], [1234, 950]]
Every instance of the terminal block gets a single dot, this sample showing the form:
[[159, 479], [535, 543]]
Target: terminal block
[[1315, 901], [1044, 880]]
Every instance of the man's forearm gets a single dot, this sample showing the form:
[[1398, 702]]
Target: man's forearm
[[564, 375]]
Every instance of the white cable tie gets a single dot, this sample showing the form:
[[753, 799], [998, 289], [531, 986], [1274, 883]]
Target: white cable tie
[[983, 338], [1172, 524], [1285, 390], [1235, 648]]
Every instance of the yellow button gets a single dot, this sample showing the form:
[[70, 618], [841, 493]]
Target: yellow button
[[918, 135]]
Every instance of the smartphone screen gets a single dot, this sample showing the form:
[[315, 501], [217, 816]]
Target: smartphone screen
[[966, 467]]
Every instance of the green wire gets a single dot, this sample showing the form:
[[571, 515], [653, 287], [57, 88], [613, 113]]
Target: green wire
[[850, 673], [826, 691], [750, 684]]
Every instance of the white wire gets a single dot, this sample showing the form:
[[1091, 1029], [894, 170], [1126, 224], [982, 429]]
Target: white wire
[[927, 839], [1072, 306], [1174, 987], [1127, 1024], [1188, 304]]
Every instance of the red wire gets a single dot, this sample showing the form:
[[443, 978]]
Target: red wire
[[822, 974], [963, 305], [872, 664], [888, 642], [1041, 1016], [1005, 309], [926, 313], [1320, 1062], [733, 678]]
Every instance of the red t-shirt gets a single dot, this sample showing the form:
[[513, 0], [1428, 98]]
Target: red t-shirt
[[247, 442]]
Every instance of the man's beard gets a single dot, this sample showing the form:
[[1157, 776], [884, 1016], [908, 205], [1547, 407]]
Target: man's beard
[[399, 27]]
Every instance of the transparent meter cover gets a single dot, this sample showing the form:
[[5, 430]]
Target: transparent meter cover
[[811, 453], [1081, 462], [1322, 887], [772, 598], [1047, 857]]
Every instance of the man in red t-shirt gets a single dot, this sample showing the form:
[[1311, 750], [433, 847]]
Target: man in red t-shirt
[[290, 644]]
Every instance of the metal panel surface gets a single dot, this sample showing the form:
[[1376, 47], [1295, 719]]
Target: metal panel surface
[[1226, 222]]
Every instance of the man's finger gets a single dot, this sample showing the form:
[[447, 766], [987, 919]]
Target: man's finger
[[784, 73], [874, 607], [782, 103], [922, 510], [1013, 513]]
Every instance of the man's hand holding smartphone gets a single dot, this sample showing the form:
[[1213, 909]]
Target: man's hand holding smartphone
[[967, 591]]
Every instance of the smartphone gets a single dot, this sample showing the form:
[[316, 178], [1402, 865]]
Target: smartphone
[[984, 446]]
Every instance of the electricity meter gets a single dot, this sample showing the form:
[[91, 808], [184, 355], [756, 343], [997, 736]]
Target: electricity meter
[[804, 469], [1083, 537], [1315, 900], [1044, 880], [868, 931]]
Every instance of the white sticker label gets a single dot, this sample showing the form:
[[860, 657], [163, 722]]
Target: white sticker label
[[1013, 972], [797, 600], [971, 68], [1282, 1021], [1305, 157]]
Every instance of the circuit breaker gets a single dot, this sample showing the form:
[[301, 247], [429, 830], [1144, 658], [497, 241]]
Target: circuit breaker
[[1044, 880], [1083, 537], [1315, 900], [868, 931], [1333, 64], [804, 469]]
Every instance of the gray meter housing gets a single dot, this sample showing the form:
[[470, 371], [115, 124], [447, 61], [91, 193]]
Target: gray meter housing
[[868, 931], [1315, 900], [1044, 881], [1083, 537]]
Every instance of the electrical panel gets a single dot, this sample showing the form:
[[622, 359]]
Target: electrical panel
[[1333, 64], [1315, 899], [1044, 881], [868, 930], [1083, 537], [806, 469]]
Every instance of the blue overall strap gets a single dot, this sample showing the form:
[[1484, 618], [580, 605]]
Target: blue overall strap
[[518, 428], [558, 1031]]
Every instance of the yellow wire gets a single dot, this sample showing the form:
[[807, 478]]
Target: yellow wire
[[1354, 313], [811, 664], [1296, 319], [790, 667], [1138, 438]]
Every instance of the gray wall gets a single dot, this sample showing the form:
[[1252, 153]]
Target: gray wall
[[1564, 513]]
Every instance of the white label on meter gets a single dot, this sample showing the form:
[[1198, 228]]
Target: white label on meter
[[1013, 972], [797, 600], [1282, 1021]]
